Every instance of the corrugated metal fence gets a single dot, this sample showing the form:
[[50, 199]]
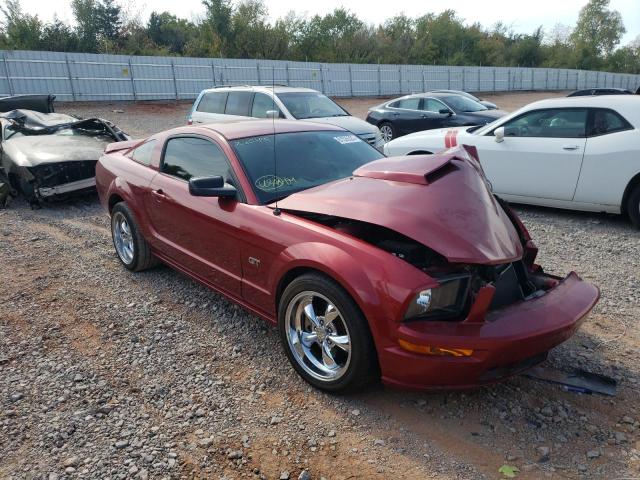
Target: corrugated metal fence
[[81, 76]]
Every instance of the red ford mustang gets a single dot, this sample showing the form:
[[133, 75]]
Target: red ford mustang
[[405, 268]]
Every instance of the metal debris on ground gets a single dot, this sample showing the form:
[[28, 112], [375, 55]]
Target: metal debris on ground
[[578, 380]]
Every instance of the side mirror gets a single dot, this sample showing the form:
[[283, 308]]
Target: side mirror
[[445, 111], [498, 133], [273, 114], [211, 187]]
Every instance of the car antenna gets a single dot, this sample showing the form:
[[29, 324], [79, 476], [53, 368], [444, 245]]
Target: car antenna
[[276, 211]]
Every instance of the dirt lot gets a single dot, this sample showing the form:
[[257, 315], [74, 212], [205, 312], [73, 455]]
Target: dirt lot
[[109, 374]]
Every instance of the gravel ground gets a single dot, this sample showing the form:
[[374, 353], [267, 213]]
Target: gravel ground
[[109, 374]]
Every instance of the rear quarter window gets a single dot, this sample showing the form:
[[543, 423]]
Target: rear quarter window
[[603, 121], [212, 102], [144, 153]]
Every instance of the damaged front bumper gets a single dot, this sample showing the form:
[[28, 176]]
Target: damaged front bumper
[[49, 181], [506, 342], [78, 185]]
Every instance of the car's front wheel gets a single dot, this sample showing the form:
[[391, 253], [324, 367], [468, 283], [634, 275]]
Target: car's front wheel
[[325, 336], [633, 206], [388, 131], [132, 249]]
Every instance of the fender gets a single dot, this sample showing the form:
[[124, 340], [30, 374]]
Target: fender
[[123, 189], [367, 280]]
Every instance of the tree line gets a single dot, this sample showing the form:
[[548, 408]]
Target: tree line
[[243, 30]]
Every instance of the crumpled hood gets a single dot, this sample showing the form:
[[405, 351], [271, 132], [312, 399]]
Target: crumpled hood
[[348, 122], [33, 150], [442, 201]]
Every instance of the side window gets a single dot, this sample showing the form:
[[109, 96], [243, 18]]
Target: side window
[[431, 105], [550, 123], [408, 103], [262, 104], [605, 121], [186, 157], [212, 102], [143, 153], [238, 103]]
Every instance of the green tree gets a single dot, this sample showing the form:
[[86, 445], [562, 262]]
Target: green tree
[[395, 35], [597, 32], [170, 32], [626, 59], [527, 49], [109, 19], [57, 36], [218, 24], [98, 24], [21, 31]]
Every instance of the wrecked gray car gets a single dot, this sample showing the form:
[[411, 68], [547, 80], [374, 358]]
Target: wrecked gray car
[[51, 155]]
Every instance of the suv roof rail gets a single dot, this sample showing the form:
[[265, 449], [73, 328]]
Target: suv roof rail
[[227, 86], [250, 86]]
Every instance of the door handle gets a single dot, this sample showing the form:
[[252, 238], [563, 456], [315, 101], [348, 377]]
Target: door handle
[[423, 115], [570, 147], [158, 194]]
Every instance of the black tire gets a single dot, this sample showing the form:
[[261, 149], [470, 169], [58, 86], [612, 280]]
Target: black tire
[[362, 367], [390, 128], [142, 258], [633, 206]]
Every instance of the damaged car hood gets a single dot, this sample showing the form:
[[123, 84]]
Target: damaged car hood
[[442, 201], [30, 151]]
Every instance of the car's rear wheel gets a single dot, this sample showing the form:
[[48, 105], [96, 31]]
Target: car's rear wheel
[[633, 206], [325, 336], [132, 249], [388, 131]]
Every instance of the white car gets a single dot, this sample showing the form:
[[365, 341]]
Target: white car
[[579, 153], [227, 104]]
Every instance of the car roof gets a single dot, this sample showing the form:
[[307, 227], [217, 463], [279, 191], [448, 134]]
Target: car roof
[[457, 92], [255, 128], [261, 88], [426, 95], [622, 102], [626, 105], [602, 89]]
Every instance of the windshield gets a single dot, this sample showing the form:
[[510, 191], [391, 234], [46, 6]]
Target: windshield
[[310, 105], [304, 160], [464, 104]]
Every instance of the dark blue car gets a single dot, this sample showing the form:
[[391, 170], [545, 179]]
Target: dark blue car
[[424, 111]]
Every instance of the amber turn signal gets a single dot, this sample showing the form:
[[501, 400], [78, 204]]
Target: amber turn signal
[[437, 351]]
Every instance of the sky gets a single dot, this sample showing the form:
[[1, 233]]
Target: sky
[[522, 16]]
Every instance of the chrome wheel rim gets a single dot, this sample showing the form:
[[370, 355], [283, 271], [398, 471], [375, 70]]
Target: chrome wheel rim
[[387, 133], [122, 238], [318, 336]]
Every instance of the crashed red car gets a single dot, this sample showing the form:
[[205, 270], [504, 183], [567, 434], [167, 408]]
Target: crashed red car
[[406, 269]]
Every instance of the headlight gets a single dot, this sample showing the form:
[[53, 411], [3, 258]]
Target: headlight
[[378, 136], [445, 302]]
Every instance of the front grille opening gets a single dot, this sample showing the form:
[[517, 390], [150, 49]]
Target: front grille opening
[[54, 174], [511, 281]]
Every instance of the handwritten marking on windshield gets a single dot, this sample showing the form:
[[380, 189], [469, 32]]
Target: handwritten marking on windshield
[[269, 183]]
